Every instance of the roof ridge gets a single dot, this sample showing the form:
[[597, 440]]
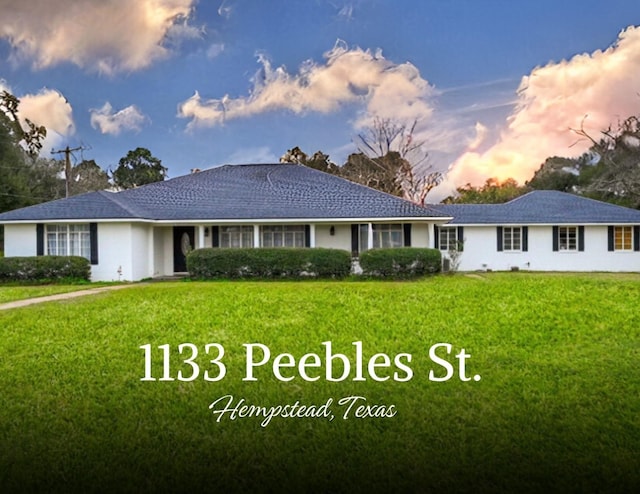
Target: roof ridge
[[117, 200], [570, 195]]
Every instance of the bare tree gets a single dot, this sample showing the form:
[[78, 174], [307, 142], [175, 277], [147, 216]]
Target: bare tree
[[615, 173], [409, 163]]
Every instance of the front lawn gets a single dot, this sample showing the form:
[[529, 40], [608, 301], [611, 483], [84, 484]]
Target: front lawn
[[557, 408], [13, 292]]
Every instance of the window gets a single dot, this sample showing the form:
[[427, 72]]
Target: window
[[448, 238], [69, 240], [512, 238], [384, 236], [568, 238], [236, 236], [623, 238], [282, 236], [387, 236]]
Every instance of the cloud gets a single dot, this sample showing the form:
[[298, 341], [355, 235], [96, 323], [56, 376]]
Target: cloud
[[128, 119], [262, 154], [49, 108], [226, 9], [348, 76], [552, 100], [118, 35], [215, 50]]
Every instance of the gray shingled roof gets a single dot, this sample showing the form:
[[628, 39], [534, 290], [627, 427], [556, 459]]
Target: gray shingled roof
[[540, 207], [232, 192]]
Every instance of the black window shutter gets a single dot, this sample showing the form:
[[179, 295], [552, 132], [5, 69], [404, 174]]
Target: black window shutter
[[407, 234], [307, 235], [525, 238], [581, 238], [636, 238], [556, 235], [610, 242], [40, 239], [499, 231], [215, 236], [436, 237], [354, 239], [460, 238], [93, 240]]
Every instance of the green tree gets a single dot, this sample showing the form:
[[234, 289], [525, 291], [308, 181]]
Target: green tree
[[25, 179], [87, 176], [379, 173], [556, 173], [608, 171], [492, 192], [34, 135], [390, 159], [318, 161], [138, 167]]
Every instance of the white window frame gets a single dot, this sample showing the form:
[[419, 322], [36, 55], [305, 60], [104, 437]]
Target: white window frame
[[624, 239], [448, 238], [568, 238], [509, 232], [236, 236], [383, 236], [282, 236], [388, 235], [68, 240]]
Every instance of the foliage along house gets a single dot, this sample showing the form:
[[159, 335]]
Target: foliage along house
[[147, 232]]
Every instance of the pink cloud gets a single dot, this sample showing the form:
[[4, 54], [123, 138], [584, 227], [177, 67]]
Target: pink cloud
[[603, 86]]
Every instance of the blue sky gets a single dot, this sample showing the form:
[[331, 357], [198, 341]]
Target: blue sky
[[495, 85]]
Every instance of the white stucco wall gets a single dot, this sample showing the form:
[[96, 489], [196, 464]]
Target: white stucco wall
[[480, 252], [114, 253], [141, 251], [420, 235], [340, 240], [20, 240]]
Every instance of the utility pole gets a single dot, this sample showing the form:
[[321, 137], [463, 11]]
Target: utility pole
[[67, 166]]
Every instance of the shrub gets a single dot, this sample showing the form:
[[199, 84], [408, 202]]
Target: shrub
[[404, 262], [268, 263], [44, 268]]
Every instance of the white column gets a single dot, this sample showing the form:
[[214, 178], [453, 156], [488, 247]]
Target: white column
[[200, 236], [369, 236], [431, 241], [312, 235], [256, 236]]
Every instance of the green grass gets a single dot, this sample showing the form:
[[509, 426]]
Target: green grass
[[557, 409], [10, 293]]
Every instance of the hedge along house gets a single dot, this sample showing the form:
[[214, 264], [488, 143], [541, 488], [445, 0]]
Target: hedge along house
[[146, 232], [542, 231]]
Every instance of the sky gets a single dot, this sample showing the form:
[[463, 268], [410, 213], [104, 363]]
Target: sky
[[495, 85]]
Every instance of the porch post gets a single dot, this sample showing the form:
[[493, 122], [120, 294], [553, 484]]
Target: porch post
[[312, 235], [369, 236], [200, 236], [431, 241], [256, 236]]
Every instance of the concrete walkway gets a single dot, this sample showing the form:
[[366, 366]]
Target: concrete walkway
[[62, 296]]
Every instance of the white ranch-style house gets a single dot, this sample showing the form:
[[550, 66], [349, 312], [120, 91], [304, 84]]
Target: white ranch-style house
[[146, 232]]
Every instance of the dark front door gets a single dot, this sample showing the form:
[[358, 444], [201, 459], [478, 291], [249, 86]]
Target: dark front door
[[183, 242]]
